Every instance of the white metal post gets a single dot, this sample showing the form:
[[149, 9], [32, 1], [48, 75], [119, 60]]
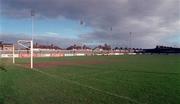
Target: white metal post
[[31, 54], [13, 54], [32, 15], [130, 40]]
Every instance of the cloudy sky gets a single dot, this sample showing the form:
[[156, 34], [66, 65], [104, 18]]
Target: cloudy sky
[[93, 22]]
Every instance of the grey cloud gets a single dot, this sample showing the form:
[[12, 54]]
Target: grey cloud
[[150, 21]]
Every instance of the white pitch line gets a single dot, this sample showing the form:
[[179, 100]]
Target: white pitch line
[[90, 87]]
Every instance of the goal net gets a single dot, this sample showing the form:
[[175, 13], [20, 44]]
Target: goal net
[[25, 44]]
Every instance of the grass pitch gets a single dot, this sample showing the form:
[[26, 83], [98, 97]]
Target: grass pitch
[[150, 79]]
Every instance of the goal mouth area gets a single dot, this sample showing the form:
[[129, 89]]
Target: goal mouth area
[[28, 44]]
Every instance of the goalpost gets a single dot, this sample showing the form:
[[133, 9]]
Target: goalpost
[[28, 44]]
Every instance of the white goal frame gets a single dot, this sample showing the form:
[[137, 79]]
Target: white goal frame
[[24, 44]]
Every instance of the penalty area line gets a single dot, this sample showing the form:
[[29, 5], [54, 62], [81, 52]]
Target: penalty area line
[[89, 87]]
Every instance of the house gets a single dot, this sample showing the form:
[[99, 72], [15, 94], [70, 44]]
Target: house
[[6, 46]]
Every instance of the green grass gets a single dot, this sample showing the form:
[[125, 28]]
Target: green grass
[[145, 79]]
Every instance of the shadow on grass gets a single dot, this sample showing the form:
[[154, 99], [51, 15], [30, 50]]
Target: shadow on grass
[[3, 68], [1, 100]]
